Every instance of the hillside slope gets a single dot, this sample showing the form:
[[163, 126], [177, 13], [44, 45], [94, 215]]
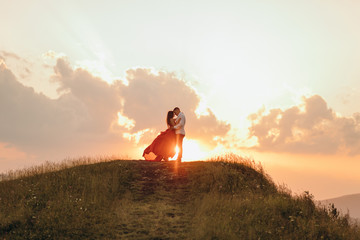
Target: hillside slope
[[150, 200]]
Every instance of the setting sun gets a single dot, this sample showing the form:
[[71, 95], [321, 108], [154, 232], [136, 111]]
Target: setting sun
[[192, 151]]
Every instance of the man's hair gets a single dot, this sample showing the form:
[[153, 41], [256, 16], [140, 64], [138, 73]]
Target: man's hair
[[176, 109]]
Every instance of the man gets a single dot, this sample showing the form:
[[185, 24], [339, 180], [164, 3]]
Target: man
[[179, 131]]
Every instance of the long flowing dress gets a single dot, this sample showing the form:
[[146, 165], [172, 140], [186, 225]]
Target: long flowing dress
[[163, 146]]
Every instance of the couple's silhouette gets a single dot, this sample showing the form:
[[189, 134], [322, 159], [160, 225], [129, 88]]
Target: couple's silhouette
[[163, 146]]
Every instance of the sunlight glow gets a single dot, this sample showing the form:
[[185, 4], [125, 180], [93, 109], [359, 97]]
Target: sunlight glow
[[136, 136], [98, 69], [176, 154], [193, 151], [202, 109], [125, 121]]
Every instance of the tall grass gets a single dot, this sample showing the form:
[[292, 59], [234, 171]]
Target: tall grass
[[55, 166], [70, 203]]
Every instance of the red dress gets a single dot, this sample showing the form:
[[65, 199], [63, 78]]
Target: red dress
[[163, 146]]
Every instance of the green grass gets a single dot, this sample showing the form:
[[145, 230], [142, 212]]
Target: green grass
[[228, 198]]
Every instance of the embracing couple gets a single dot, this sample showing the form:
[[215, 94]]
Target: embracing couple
[[163, 146]]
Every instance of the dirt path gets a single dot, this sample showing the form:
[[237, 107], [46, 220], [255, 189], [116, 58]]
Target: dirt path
[[157, 206]]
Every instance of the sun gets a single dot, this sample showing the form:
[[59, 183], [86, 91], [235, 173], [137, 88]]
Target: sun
[[192, 151]]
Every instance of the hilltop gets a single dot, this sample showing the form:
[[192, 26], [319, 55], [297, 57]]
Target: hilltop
[[121, 199]]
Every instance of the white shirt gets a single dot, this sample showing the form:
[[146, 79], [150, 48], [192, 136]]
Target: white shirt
[[179, 128]]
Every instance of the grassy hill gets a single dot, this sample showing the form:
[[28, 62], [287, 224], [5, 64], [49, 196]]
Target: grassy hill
[[224, 199]]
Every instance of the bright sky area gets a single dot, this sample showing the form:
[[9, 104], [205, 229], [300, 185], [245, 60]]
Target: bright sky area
[[276, 81]]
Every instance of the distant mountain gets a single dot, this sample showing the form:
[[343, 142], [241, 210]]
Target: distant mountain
[[347, 203]]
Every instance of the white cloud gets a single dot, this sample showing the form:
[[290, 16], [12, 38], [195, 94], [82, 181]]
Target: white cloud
[[310, 128]]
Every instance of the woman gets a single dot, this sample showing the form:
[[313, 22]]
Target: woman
[[163, 147]]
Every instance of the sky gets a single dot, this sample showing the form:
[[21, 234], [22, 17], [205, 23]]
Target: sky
[[275, 81]]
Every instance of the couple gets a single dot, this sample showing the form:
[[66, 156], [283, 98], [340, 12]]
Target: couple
[[163, 147]]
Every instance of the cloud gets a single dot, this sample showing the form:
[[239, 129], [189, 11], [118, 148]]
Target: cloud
[[21, 64], [149, 95], [34, 123], [95, 98], [5, 54], [92, 116], [77, 123], [310, 128]]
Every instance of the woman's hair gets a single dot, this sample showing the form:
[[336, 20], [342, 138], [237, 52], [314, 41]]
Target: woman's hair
[[170, 115]]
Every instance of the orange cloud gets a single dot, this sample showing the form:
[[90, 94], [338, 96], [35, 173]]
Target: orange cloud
[[310, 128]]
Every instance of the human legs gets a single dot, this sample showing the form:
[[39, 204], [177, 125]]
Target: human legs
[[179, 143]]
